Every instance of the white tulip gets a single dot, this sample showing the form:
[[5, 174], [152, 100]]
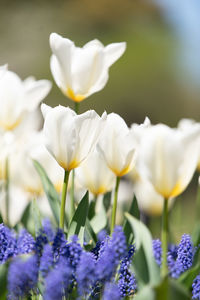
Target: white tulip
[[149, 200], [188, 124], [18, 201], [17, 98], [168, 158], [26, 176], [117, 145], [94, 175], [70, 138], [8, 148], [80, 72], [3, 70]]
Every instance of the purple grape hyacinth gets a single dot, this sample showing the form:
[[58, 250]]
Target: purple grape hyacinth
[[111, 291], [157, 251], [196, 288], [7, 243], [127, 283], [22, 276], [86, 275], [25, 242], [58, 281], [179, 258], [46, 260], [185, 254]]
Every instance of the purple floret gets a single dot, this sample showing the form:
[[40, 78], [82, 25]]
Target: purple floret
[[22, 276], [157, 251], [111, 291], [25, 242], [58, 281], [86, 275], [196, 288], [7, 244]]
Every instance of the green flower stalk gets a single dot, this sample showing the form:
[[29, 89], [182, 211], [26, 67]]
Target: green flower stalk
[[63, 199], [72, 200], [164, 238], [114, 208], [7, 184]]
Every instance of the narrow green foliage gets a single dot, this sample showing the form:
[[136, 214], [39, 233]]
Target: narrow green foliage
[[77, 225], [133, 211], [3, 280], [36, 216], [142, 238], [52, 195]]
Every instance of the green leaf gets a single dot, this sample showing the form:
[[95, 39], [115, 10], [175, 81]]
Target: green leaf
[[140, 267], [1, 219], [134, 211], [78, 221], [26, 215], [143, 239], [3, 281], [188, 277], [91, 211], [170, 289], [146, 293], [36, 216], [52, 195], [90, 238], [99, 221], [196, 234], [107, 200], [177, 291]]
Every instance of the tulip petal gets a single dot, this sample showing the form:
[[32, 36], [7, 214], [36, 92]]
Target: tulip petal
[[35, 92], [62, 48], [86, 69], [94, 43], [3, 69], [113, 52]]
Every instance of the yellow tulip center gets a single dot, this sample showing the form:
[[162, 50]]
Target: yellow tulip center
[[120, 173], [76, 98], [10, 126]]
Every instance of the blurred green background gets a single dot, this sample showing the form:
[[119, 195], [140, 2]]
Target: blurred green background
[[151, 79]]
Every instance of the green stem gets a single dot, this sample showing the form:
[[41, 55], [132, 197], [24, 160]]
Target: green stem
[[164, 238], [76, 107], [7, 191], [63, 200], [198, 202], [114, 209], [72, 204]]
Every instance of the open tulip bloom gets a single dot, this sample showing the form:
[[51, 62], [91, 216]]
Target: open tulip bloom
[[70, 138], [168, 158], [81, 72], [17, 98], [117, 146], [94, 174]]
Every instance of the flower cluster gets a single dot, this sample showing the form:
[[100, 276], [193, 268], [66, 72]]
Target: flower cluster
[[179, 258], [63, 267], [102, 149]]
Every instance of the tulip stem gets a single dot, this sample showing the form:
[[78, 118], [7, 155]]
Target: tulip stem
[[114, 209], [164, 238], [72, 205], [63, 200], [76, 107], [198, 202], [7, 184]]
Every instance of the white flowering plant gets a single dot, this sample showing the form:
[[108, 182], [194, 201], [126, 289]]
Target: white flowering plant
[[64, 233]]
